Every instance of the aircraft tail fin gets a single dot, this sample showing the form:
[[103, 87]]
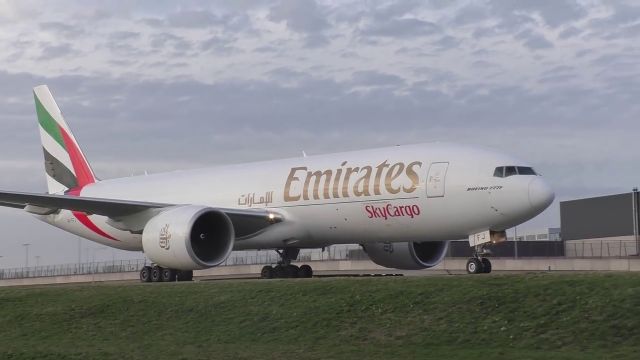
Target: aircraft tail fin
[[66, 166]]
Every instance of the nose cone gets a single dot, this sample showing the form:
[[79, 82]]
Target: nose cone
[[540, 194]]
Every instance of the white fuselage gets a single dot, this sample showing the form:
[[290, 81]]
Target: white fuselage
[[424, 192]]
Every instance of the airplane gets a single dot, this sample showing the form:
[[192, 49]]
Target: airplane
[[402, 204]]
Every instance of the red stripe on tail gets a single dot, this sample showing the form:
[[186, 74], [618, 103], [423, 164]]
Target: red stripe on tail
[[83, 172]]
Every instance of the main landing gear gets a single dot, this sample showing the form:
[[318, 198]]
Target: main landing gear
[[159, 274], [479, 264], [284, 268]]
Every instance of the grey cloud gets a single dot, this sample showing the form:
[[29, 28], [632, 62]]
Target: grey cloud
[[163, 40], [623, 14], [533, 40], [401, 28], [304, 17], [375, 78], [569, 32], [218, 45], [470, 14], [62, 29], [395, 9], [124, 35], [200, 19], [191, 19], [299, 16], [49, 52], [447, 42], [554, 12]]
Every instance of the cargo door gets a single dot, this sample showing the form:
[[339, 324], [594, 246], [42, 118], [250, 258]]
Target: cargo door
[[436, 179]]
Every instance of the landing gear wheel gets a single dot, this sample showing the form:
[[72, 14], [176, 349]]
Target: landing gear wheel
[[156, 274], [168, 275], [145, 274], [305, 271], [474, 266], [486, 265], [185, 275], [279, 272], [292, 271], [267, 272]]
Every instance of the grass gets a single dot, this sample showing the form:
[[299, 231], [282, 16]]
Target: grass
[[535, 316]]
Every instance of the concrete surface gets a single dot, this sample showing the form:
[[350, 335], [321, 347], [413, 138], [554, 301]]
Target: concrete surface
[[359, 267]]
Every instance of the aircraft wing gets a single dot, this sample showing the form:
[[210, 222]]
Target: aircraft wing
[[126, 214]]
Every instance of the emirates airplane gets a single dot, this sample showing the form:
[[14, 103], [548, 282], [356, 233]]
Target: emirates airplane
[[402, 204]]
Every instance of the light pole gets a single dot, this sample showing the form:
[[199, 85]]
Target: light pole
[[515, 239], [26, 258], [636, 219]]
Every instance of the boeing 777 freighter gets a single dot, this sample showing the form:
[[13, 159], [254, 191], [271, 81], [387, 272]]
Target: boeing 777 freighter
[[402, 204]]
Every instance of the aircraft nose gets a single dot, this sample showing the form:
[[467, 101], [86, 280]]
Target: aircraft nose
[[540, 194]]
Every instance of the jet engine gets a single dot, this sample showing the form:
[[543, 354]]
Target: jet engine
[[407, 255], [188, 238]]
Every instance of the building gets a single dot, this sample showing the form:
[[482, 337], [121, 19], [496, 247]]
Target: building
[[601, 226]]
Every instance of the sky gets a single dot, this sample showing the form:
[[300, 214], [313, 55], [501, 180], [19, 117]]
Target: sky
[[162, 85]]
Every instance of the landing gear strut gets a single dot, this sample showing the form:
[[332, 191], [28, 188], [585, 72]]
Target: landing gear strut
[[160, 274], [479, 263], [284, 268]]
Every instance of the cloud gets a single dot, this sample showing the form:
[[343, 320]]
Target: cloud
[[303, 17], [534, 40], [553, 12], [400, 28], [61, 29], [49, 52]]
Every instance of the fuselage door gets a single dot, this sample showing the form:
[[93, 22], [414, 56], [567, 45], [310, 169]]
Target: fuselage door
[[436, 179]]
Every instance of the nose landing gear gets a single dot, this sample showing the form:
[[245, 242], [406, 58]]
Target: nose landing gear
[[479, 264]]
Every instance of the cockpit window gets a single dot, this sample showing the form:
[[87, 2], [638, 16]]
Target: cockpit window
[[506, 171], [522, 170]]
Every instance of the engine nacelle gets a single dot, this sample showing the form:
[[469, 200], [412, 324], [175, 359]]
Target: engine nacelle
[[407, 255], [188, 238]]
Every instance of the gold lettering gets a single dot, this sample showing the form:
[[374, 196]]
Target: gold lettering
[[376, 184], [394, 172], [318, 175], [345, 182], [336, 181], [413, 176], [287, 187], [361, 187]]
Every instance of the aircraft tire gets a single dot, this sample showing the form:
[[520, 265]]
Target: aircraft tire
[[156, 274], [168, 275], [474, 266], [279, 272], [267, 272], [292, 271], [305, 271], [184, 275], [145, 274], [486, 265]]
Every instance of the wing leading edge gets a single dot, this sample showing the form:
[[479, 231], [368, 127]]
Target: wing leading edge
[[126, 214]]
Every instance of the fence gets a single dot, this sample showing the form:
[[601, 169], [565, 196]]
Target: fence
[[601, 248], [239, 258], [581, 249]]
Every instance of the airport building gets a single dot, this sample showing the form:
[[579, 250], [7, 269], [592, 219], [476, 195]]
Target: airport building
[[604, 226]]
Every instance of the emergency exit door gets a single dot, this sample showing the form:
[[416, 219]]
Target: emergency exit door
[[436, 179]]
